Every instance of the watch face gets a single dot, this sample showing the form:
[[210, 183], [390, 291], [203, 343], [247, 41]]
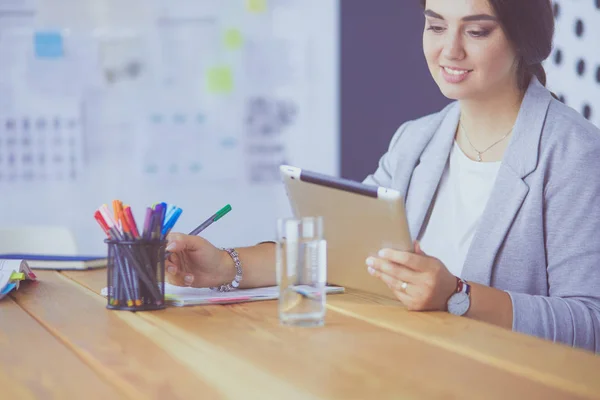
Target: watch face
[[459, 303]]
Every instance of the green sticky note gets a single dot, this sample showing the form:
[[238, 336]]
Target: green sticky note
[[256, 6], [17, 276], [233, 39], [219, 80]]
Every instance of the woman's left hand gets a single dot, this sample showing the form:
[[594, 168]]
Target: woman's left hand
[[420, 282]]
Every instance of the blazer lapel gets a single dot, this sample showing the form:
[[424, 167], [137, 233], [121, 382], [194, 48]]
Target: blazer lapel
[[510, 190], [427, 174]]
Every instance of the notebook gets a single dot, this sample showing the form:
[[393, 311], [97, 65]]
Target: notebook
[[187, 296], [40, 261], [12, 273]]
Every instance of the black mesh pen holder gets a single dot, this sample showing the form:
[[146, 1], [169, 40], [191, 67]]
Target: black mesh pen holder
[[136, 274]]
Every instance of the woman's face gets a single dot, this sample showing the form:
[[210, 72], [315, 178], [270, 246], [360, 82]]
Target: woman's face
[[467, 52]]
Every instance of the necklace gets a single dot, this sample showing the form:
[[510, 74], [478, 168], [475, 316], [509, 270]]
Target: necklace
[[479, 153]]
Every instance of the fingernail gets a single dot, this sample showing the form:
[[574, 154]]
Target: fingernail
[[172, 270], [189, 278], [381, 253], [170, 246], [371, 271], [370, 261]]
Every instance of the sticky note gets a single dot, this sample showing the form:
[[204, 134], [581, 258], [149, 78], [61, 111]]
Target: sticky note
[[17, 276], [48, 45], [8, 288], [256, 6], [233, 39], [219, 80]]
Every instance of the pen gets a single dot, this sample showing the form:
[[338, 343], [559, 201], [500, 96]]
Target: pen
[[117, 208], [131, 222], [102, 223], [147, 223], [170, 222], [214, 218], [170, 210], [156, 227]]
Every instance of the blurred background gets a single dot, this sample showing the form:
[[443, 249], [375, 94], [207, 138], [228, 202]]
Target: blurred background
[[197, 102]]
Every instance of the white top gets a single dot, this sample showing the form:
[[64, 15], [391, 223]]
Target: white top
[[458, 204]]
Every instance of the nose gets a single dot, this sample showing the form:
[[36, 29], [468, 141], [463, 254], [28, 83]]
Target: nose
[[453, 48]]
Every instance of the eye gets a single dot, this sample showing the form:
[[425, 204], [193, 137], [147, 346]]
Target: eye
[[479, 34], [436, 29]]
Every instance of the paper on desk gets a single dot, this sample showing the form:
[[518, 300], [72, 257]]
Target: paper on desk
[[186, 296]]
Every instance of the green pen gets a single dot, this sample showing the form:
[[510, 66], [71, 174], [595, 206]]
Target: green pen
[[214, 218]]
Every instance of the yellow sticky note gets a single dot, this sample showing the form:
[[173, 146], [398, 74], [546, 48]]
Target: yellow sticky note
[[233, 39], [256, 6], [17, 276], [219, 80]]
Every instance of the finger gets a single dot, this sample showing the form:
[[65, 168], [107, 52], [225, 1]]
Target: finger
[[178, 242], [176, 273], [418, 248], [413, 261], [394, 284], [394, 270], [180, 278]]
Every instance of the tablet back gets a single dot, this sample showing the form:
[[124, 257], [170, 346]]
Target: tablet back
[[359, 220]]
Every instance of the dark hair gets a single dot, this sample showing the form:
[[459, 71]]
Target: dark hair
[[529, 25]]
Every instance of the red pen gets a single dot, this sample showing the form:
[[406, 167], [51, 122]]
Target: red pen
[[102, 222], [131, 222]]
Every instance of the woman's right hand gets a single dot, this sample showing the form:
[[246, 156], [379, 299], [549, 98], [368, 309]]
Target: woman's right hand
[[194, 261]]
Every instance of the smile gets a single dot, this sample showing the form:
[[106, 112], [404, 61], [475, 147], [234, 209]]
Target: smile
[[455, 75], [456, 72]]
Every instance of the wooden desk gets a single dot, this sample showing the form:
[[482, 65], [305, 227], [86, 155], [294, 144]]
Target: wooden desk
[[63, 343]]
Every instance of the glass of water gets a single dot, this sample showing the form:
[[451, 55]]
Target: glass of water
[[301, 260]]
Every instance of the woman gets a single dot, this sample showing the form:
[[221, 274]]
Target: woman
[[501, 187]]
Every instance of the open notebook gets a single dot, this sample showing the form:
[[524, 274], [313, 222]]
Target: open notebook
[[12, 273], [188, 296]]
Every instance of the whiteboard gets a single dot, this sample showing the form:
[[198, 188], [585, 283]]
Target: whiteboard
[[190, 102]]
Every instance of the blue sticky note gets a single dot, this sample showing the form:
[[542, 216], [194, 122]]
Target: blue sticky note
[[8, 288], [48, 45]]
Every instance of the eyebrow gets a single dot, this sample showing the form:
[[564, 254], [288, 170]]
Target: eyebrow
[[470, 18]]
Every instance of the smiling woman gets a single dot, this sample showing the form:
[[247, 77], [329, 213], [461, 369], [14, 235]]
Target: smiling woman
[[486, 181], [500, 186]]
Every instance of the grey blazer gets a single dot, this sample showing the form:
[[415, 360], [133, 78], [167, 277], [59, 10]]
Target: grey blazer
[[539, 236]]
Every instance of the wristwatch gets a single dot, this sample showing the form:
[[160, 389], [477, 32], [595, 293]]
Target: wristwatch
[[460, 301]]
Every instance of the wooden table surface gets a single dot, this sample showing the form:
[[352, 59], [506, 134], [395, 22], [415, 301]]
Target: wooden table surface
[[58, 341]]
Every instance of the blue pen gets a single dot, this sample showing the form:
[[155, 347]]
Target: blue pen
[[170, 210], [171, 221]]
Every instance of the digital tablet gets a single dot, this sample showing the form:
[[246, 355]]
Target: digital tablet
[[359, 220]]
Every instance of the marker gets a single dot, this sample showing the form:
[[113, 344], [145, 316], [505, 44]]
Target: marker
[[171, 221], [131, 222], [214, 218]]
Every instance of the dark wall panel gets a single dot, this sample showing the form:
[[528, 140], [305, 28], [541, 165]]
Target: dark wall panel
[[384, 78]]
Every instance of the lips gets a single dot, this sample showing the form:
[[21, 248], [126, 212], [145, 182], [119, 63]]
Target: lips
[[455, 75]]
